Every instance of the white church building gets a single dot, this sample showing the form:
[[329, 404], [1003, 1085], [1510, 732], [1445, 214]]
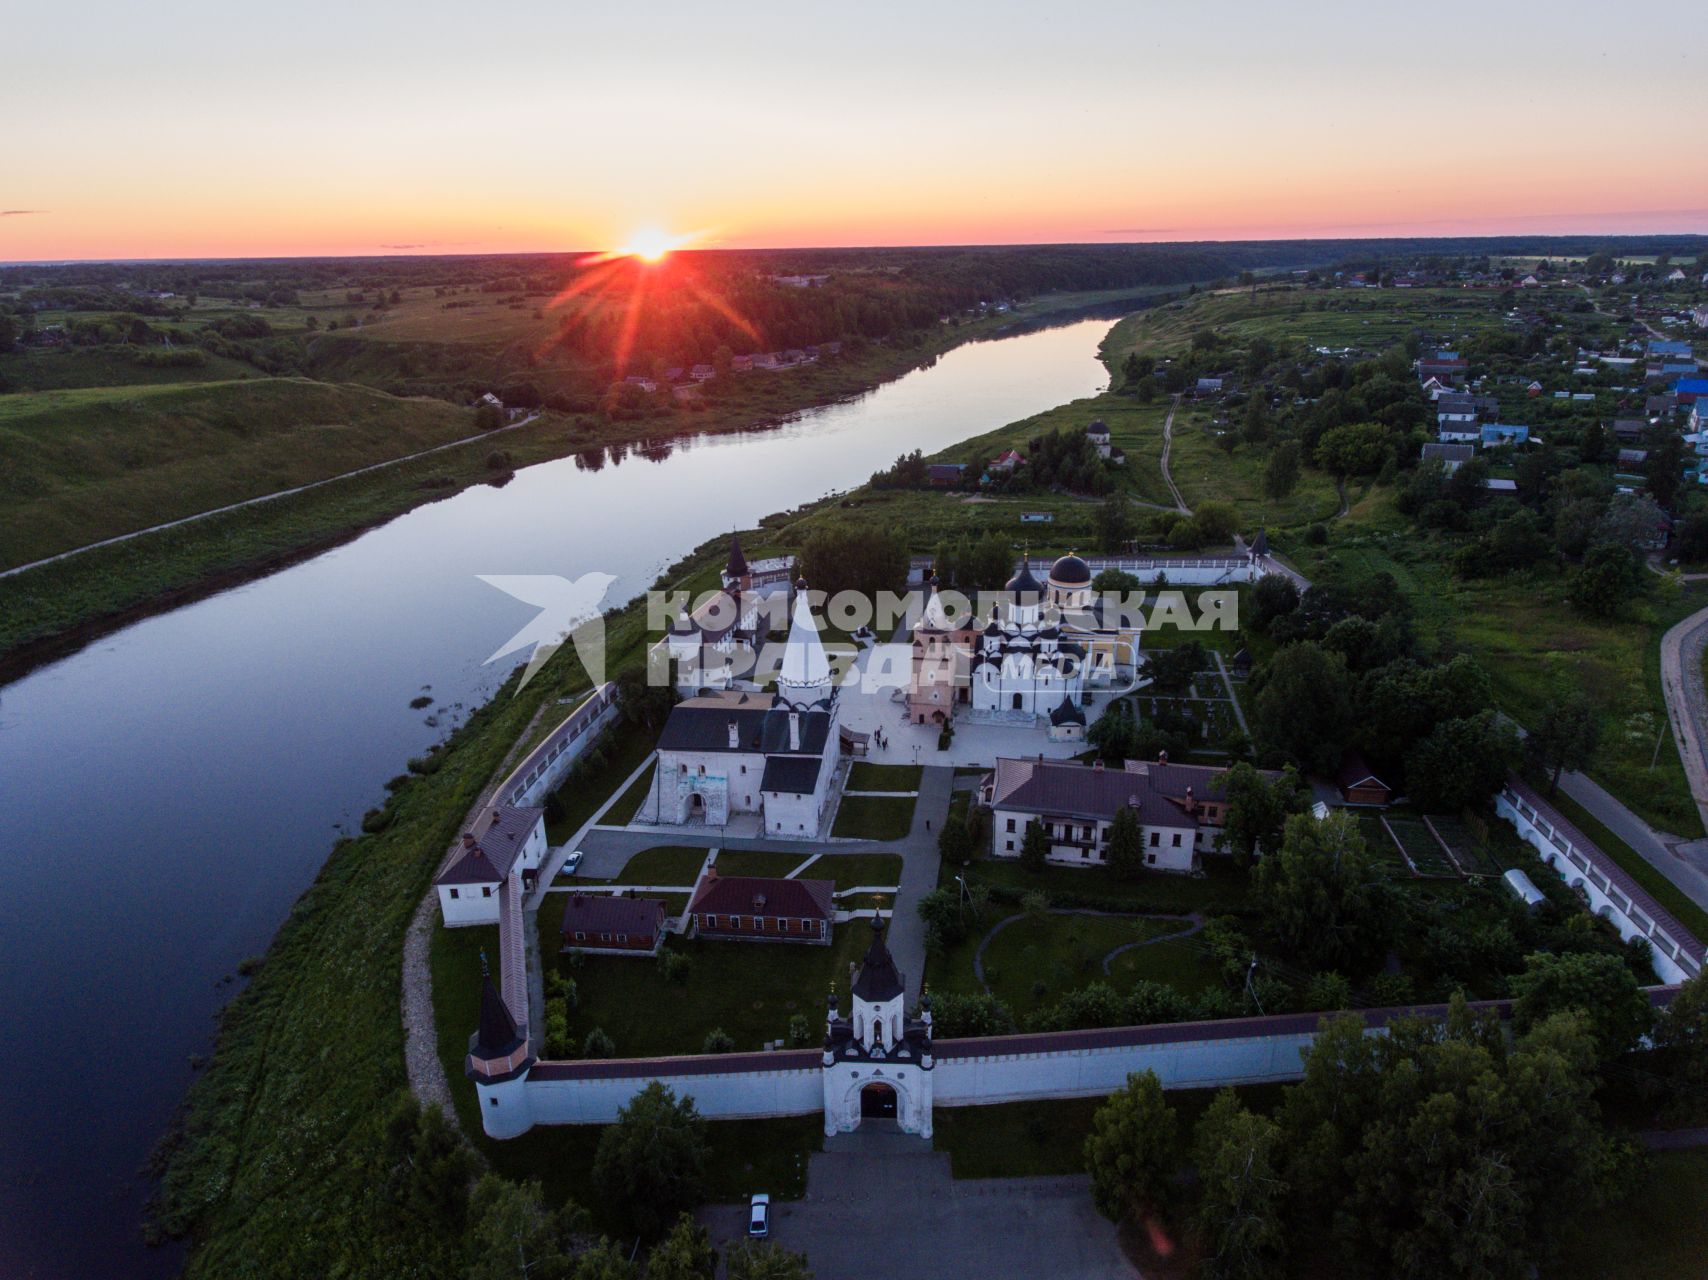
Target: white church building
[[745, 751]]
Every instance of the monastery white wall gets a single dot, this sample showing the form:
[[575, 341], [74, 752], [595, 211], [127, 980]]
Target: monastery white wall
[[741, 1095], [1582, 869], [1094, 1072], [544, 767]]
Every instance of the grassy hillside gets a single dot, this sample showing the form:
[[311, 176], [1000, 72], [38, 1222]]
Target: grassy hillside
[[80, 465]]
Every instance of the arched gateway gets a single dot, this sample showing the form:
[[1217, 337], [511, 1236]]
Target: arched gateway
[[877, 1061]]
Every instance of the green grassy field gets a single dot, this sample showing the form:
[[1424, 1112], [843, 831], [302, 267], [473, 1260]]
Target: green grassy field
[[760, 862], [93, 463], [1032, 963], [749, 989], [581, 797], [874, 817], [884, 777], [672, 864], [850, 870], [1223, 887]]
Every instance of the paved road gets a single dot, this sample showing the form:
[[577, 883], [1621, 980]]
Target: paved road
[[891, 1208], [1687, 701], [1167, 447], [268, 497], [1685, 863]]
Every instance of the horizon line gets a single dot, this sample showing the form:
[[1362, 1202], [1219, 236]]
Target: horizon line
[[383, 254]]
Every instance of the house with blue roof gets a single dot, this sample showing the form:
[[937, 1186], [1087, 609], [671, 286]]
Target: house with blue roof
[[1666, 347], [1687, 389]]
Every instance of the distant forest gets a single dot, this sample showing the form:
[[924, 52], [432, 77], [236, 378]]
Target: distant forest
[[593, 322]]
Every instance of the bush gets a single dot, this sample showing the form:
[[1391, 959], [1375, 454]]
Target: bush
[[598, 1045], [800, 1030], [674, 966], [718, 1041]]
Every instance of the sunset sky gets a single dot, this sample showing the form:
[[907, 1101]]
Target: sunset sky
[[180, 129]]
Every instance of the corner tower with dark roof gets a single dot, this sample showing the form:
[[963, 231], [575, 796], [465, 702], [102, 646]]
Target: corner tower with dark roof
[[498, 1061]]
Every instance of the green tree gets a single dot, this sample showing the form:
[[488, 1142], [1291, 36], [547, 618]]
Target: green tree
[[1609, 577], [512, 1235], [847, 557], [1680, 1040], [1256, 810], [1239, 1218], [604, 1261], [1321, 897], [8, 332], [953, 1016], [1126, 858], [1274, 596], [1034, 847], [954, 842], [1112, 523], [1462, 762], [651, 1164], [1215, 521], [751, 1260], [1131, 1151], [685, 1254], [1281, 472], [1564, 737], [1303, 708], [1600, 987], [1353, 449]]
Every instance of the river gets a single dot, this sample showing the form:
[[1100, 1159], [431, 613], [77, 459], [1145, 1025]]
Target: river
[[167, 792]]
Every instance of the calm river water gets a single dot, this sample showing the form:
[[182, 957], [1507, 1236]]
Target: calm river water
[[166, 793]]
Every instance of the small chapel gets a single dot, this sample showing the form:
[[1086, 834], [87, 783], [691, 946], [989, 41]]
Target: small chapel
[[877, 1060]]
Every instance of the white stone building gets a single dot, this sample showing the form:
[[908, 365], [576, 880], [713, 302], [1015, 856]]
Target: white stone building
[[513, 843], [1181, 809], [740, 751]]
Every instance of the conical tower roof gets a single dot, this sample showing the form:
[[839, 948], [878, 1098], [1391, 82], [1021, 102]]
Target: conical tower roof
[[805, 663], [935, 617], [737, 566], [498, 1036], [879, 978]]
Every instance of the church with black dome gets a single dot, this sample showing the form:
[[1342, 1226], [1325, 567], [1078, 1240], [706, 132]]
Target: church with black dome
[[1037, 656]]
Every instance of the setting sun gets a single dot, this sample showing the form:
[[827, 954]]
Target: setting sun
[[650, 244]]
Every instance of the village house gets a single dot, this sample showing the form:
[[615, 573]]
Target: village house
[[1496, 434], [1358, 783], [602, 922], [511, 843], [1181, 809], [944, 475], [763, 909], [1006, 461], [1450, 456]]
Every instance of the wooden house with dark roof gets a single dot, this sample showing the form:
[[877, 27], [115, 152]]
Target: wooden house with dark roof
[[602, 922], [763, 908]]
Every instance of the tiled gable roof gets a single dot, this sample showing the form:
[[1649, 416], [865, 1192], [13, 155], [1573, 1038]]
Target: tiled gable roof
[[742, 895]]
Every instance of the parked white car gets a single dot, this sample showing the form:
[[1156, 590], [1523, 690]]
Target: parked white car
[[759, 1217], [572, 863]]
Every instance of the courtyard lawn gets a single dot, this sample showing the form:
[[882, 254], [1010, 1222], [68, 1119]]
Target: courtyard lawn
[[1182, 963], [874, 817], [851, 870], [884, 777], [775, 863], [749, 989], [578, 799], [663, 864], [628, 804], [1223, 887], [1031, 963]]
